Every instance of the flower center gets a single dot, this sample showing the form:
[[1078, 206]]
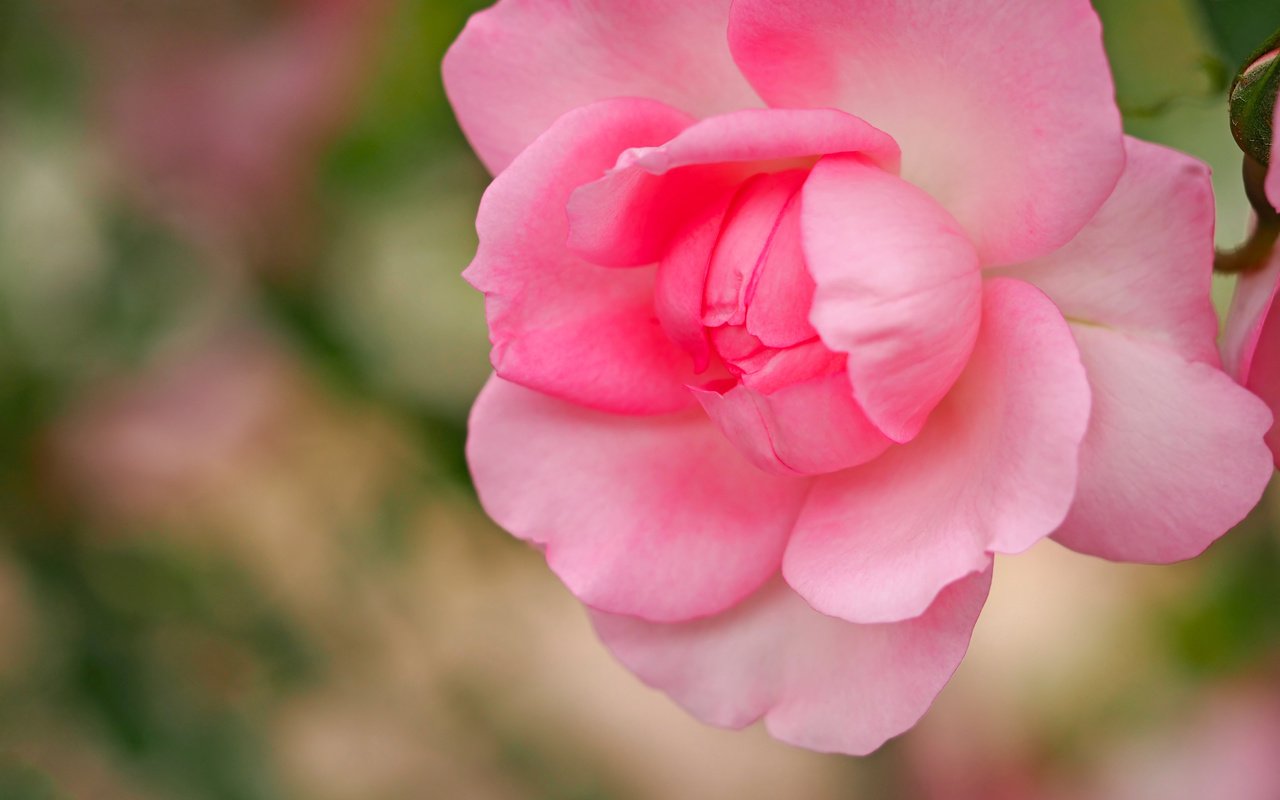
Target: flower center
[[757, 292]]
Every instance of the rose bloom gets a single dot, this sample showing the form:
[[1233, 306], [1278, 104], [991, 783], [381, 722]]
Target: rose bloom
[[802, 311], [1251, 345]]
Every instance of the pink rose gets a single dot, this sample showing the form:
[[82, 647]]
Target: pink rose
[[801, 311], [1251, 344]]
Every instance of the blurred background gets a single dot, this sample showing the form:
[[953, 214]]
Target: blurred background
[[240, 558]]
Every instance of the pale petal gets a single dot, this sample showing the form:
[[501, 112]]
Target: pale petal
[[1174, 456], [1144, 264], [656, 517], [817, 682], [993, 471], [521, 64], [898, 289], [1005, 111]]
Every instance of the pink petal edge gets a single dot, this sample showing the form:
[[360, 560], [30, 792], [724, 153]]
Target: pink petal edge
[[1174, 456], [521, 64], [653, 517], [818, 682], [897, 289], [995, 470], [1007, 117], [559, 324]]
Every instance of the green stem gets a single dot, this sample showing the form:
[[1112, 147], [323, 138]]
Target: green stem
[[1251, 256], [1255, 253]]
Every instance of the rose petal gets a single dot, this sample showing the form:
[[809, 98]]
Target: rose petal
[[808, 427], [782, 293], [1174, 455], [682, 275], [521, 64], [745, 242], [1250, 308], [1144, 264], [1005, 113], [1251, 341], [559, 324], [1264, 376], [994, 470], [898, 289], [818, 682], [630, 216], [655, 517], [1273, 174]]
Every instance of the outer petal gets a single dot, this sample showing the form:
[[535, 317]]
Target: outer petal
[[1250, 309], [1174, 456], [808, 427], [629, 216], [1273, 174], [1264, 375], [818, 682], [898, 289], [995, 470], [1251, 342], [1144, 264], [1005, 111], [559, 324], [521, 64], [657, 517]]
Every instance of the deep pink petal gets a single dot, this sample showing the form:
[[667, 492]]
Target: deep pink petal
[[1251, 341], [655, 517], [1264, 375], [818, 682], [1144, 264], [898, 288], [1005, 112], [682, 276], [781, 295], [1174, 455], [993, 471], [774, 369], [559, 324], [1251, 307], [1273, 174], [630, 216], [745, 242], [520, 65], [811, 426]]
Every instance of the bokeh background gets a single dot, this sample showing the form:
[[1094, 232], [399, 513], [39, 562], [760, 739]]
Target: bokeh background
[[240, 558]]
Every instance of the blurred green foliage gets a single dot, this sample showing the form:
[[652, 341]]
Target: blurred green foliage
[[1238, 27], [1233, 623], [108, 611], [405, 118], [21, 782], [36, 70]]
